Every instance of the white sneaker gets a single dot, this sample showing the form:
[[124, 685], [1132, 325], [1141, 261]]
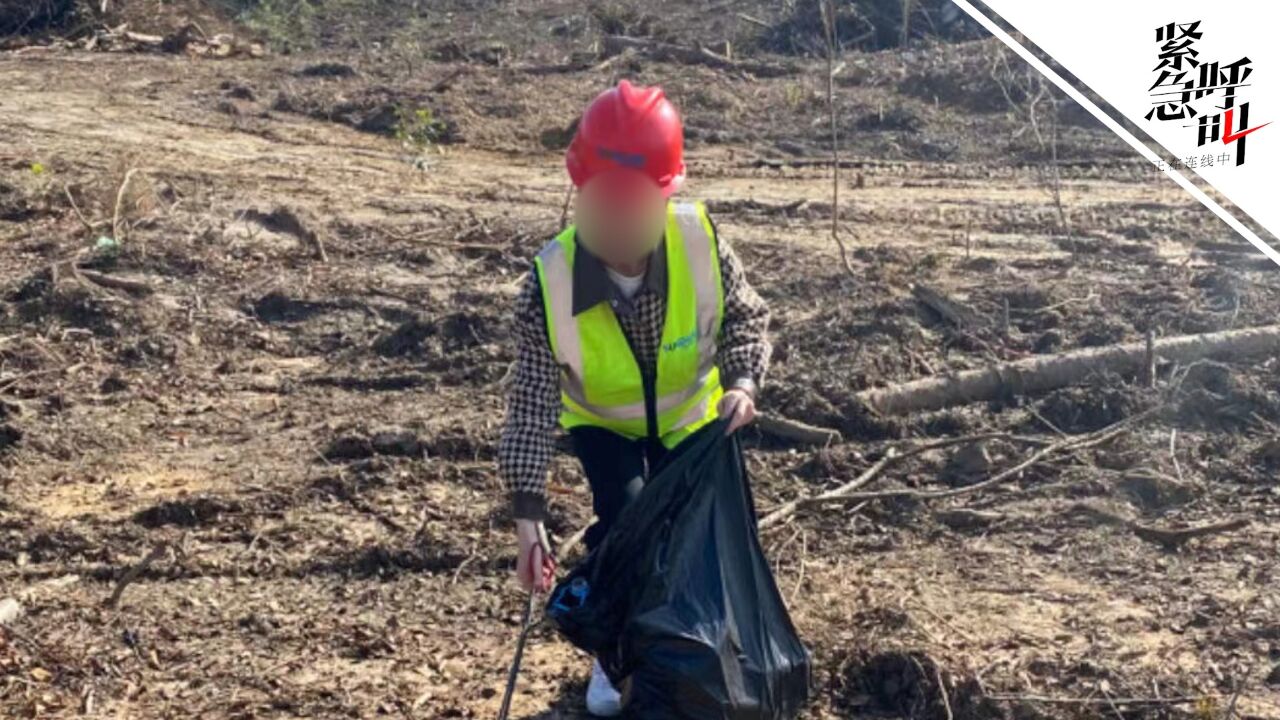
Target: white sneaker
[[603, 700]]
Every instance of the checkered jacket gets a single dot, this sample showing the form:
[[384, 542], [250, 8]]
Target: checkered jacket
[[533, 404]]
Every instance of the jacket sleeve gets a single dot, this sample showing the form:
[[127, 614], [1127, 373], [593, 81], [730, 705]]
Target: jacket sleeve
[[533, 408], [744, 347]]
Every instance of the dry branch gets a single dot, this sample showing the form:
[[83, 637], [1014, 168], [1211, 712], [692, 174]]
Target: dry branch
[[1066, 445], [937, 671], [1176, 700], [443, 83], [786, 510], [574, 540], [1033, 375], [1170, 538], [1173, 537], [132, 573], [91, 227], [564, 210], [969, 439], [136, 287], [115, 216], [787, 429]]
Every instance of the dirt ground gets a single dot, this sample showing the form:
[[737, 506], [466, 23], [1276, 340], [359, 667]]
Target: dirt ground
[[291, 404]]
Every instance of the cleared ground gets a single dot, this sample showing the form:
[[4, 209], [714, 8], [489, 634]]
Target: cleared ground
[[312, 562]]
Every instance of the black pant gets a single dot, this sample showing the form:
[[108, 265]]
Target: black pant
[[617, 469]]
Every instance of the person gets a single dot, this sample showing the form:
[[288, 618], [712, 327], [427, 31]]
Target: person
[[635, 328]]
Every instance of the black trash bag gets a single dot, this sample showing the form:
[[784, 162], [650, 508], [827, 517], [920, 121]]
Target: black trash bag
[[678, 602]]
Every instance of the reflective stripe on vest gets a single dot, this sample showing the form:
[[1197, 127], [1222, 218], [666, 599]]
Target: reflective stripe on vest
[[600, 379]]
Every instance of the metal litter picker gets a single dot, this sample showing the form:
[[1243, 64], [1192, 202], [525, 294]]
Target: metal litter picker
[[528, 623]]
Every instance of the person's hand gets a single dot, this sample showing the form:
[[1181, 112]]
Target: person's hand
[[535, 565], [738, 408]]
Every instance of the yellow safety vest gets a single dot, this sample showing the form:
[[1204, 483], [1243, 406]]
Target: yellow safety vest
[[601, 383]]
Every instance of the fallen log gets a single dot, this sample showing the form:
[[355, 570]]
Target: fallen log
[[1039, 374]]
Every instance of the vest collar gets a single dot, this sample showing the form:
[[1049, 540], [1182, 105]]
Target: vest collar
[[592, 285]]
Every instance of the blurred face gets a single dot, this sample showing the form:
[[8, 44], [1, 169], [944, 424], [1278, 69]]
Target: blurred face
[[620, 216]]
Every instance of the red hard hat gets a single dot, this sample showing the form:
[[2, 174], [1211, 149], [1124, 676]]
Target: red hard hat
[[629, 127]]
